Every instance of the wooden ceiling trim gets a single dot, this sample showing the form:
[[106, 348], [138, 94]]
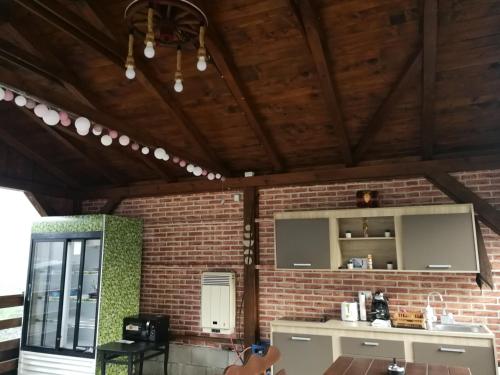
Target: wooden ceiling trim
[[63, 19], [308, 18], [430, 35], [410, 73], [91, 161], [457, 191], [42, 208], [228, 71], [34, 187], [37, 158], [111, 205], [311, 176]]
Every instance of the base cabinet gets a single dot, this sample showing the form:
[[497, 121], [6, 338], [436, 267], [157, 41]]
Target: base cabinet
[[303, 354], [480, 360], [370, 348]]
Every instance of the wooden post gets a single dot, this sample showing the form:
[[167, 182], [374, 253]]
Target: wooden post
[[250, 248]]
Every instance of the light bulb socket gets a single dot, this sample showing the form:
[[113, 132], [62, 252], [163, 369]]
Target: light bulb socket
[[178, 76], [202, 52]]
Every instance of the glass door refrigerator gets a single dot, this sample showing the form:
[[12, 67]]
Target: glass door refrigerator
[[80, 287]]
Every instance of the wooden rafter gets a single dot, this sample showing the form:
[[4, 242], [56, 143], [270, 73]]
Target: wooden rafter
[[430, 35], [311, 176], [57, 15], [457, 191], [227, 69], [308, 18], [111, 205], [34, 187], [410, 73], [71, 82], [42, 208], [37, 158]]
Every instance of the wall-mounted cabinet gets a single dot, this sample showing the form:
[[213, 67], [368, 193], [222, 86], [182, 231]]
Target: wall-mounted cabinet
[[420, 238]]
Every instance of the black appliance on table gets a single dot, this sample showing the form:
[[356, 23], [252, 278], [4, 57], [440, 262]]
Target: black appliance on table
[[149, 333]]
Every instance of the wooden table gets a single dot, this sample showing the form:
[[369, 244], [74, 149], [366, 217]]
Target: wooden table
[[366, 366]]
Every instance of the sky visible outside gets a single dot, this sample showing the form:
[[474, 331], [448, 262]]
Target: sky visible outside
[[16, 216]]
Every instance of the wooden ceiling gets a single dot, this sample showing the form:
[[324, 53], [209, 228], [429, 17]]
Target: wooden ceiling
[[291, 86]]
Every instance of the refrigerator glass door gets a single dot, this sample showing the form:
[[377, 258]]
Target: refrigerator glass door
[[71, 294], [44, 293], [90, 292]]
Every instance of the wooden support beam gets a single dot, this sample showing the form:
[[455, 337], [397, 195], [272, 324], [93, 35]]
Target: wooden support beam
[[430, 36], [34, 187], [306, 177], [306, 14], [410, 73], [110, 205], [40, 205], [60, 17], [227, 69], [250, 277], [457, 191], [27, 152]]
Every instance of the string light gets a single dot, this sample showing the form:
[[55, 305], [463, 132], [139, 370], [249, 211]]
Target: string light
[[130, 62], [178, 86]]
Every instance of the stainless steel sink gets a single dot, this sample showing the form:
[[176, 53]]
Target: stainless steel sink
[[471, 328]]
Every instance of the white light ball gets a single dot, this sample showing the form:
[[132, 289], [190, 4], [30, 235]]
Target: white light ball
[[218, 176], [51, 118], [130, 72], [197, 171], [30, 104], [97, 130], [190, 168], [82, 125], [106, 140], [211, 176], [145, 150], [124, 140], [178, 87], [202, 64], [149, 51], [20, 101], [166, 157], [160, 153], [2, 93], [41, 110]]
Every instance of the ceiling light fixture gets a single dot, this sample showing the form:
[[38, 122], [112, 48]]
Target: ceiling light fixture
[[172, 23]]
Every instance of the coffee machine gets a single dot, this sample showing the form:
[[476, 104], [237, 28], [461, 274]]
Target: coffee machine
[[380, 307]]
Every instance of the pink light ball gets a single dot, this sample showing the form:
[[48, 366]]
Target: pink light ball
[[30, 104], [8, 96], [175, 159], [135, 147], [204, 172], [113, 134], [63, 116], [97, 130], [182, 163], [66, 122]]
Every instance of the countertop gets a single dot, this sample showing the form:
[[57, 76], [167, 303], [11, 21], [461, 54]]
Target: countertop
[[335, 324]]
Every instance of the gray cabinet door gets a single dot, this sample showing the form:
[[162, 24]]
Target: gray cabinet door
[[439, 242], [371, 348], [303, 243], [303, 354], [480, 360]]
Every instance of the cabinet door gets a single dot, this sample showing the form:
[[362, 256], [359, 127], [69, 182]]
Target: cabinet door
[[303, 243], [370, 348], [480, 360], [439, 242], [303, 354]]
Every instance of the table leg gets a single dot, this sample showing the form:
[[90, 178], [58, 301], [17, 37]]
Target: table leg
[[165, 361], [103, 364], [130, 364], [141, 362]]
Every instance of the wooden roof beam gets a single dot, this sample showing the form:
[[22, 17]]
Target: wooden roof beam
[[111, 205], [227, 69], [308, 18], [35, 187], [57, 15], [311, 176], [410, 73], [430, 35]]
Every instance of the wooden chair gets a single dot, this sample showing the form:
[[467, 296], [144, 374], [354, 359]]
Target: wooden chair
[[256, 365]]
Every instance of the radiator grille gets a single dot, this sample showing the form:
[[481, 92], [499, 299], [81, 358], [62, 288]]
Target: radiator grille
[[217, 278], [32, 363]]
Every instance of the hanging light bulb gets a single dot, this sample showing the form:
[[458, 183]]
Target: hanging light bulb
[[178, 86], [51, 117], [97, 130], [182, 163], [149, 51], [145, 150], [211, 176], [190, 168], [113, 134], [30, 104], [197, 171], [135, 146], [166, 157], [160, 153], [130, 62], [106, 140], [20, 101], [66, 122], [218, 176], [82, 125], [8, 96], [202, 52], [41, 110], [124, 140]]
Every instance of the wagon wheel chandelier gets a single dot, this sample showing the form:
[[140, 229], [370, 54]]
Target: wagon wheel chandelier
[[179, 24]]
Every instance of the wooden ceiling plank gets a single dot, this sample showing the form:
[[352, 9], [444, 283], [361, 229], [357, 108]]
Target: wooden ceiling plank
[[430, 35], [34, 187], [227, 69], [37, 158], [457, 191], [91, 161], [313, 176], [57, 15], [410, 73], [308, 18]]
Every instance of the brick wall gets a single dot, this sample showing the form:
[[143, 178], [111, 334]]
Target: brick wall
[[186, 235]]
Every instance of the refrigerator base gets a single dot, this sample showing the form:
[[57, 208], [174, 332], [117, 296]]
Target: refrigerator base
[[33, 363]]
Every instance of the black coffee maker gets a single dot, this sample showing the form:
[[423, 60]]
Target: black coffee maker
[[380, 307]]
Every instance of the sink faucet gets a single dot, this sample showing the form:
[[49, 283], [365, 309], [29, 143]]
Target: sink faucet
[[430, 316]]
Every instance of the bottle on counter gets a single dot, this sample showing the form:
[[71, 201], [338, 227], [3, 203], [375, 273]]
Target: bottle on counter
[[370, 262]]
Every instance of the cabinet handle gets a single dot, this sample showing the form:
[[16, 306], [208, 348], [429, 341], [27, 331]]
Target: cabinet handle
[[439, 266], [451, 350], [298, 338], [370, 343], [302, 264]]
